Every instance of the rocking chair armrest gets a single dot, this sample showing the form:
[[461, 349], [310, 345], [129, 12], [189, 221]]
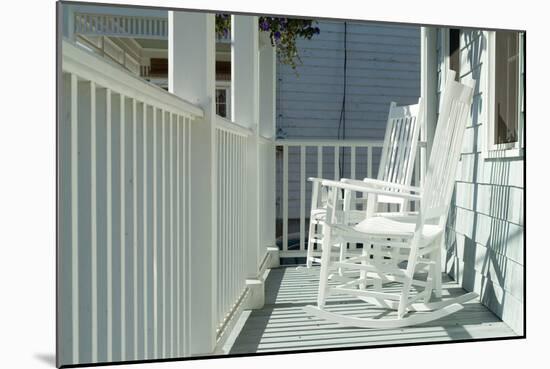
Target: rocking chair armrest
[[382, 184], [316, 179], [368, 189]]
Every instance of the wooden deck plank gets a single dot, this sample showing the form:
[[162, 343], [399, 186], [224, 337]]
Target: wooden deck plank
[[283, 325]]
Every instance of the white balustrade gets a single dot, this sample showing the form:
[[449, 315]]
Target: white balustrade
[[231, 198], [124, 169], [121, 26]]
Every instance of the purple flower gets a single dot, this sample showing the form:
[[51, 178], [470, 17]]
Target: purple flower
[[277, 35], [264, 25], [317, 30]]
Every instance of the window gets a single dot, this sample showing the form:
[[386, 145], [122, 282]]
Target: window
[[223, 99], [221, 102], [506, 91], [454, 51]]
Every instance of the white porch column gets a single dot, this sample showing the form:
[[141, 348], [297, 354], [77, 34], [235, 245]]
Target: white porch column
[[191, 75], [267, 83], [244, 71], [428, 91], [428, 88], [268, 109], [245, 112]]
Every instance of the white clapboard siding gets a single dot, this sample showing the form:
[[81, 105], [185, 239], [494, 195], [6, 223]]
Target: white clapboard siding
[[383, 65], [486, 226], [124, 236]]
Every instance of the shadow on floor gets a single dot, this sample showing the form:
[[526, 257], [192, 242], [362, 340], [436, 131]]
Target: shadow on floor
[[283, 325]]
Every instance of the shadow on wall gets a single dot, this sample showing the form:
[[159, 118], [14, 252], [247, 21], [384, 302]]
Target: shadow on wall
[[484, 249]]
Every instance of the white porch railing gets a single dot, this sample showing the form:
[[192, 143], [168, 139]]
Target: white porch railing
[[124, 169], [300, 159], [121, 26], [231, 198]]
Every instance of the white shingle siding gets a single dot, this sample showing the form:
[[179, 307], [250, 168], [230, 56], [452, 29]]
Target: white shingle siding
[[383, 65], [486, 225]]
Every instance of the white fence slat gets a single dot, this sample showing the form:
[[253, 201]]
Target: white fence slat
[[352, 162], [109, 180], [319, 161], [74, 215], [155, 236], [135, 225], [163, 191], [123, 227], [285, 198], [302, 195], [178, 241], [369, 162], [145, 235], [93, 208], [336, 162]]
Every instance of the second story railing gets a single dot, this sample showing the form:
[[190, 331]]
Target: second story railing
[[121, 26]]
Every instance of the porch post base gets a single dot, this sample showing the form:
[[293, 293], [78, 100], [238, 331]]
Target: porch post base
[[256, 299], [274, 260]]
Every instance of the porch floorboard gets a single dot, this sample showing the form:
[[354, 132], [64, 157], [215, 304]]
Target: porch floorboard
[[283, 325]]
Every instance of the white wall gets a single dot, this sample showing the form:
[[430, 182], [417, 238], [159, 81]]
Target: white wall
[[383, 65], [486, 225]]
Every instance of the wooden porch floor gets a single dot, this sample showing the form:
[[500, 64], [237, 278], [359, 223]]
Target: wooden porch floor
[[282, 324]]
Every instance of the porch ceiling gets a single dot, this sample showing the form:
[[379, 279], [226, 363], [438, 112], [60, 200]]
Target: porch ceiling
[[282, 324]]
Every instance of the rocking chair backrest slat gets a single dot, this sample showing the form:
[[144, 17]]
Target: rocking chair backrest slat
[[445, 154], [400, 143]]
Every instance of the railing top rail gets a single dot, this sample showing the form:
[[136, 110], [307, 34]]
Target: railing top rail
[[329, 142], [104, 73], [227, 125]]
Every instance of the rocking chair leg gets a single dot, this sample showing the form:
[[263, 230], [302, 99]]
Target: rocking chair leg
[[309, 257], [437, 267], [325, 260], [342, 258], [409, 275], [363, 273]]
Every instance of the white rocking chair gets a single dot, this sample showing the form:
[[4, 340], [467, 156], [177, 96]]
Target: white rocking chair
[[396, 166], [418, 242]]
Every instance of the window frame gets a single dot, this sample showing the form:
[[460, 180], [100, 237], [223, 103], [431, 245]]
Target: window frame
[[225, 85], [510, 149]]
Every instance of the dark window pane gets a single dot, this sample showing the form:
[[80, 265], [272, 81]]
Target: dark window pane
[[454, 51], [221, 102], [506, 87]]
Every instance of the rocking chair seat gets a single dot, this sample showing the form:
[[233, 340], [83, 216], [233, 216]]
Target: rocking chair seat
[[390, 228], [319, 216]]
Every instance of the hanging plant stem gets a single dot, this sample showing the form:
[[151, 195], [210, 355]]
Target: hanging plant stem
[[283, 33]]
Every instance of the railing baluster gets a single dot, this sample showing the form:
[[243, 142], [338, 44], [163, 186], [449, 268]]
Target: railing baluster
[[145, 239], [172, 292], [369, 161], [352, 174], [285, 198], [155, 236], [135, 224], [123, 227], [109, 194], [74, 216], [93, 208], [163, 232], [302, 195], [336, 162]]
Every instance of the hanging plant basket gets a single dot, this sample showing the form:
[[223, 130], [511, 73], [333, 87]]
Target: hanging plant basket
[[283, 33]]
